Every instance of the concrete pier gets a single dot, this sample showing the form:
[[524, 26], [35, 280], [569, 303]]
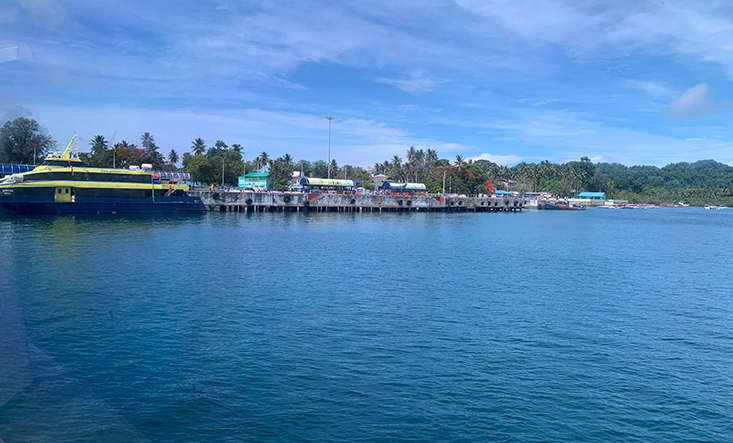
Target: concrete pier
[[297, 202]]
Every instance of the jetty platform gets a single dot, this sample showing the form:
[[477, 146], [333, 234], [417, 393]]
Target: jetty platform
[[244, 201]]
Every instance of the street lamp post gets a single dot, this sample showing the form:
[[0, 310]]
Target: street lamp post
[[444, 181], [329, 118]]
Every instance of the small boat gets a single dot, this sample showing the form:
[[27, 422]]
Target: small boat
[[63, 184], [564, 206]]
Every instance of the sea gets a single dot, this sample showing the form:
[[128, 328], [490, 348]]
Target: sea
[[540, 326]]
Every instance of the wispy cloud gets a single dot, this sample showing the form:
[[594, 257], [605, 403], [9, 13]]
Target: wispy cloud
[[505, 160], [553, 80], [696, 102], [416, 83], [651, 87]]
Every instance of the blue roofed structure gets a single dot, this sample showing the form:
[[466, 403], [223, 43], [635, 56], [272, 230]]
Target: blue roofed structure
[[592, 195]]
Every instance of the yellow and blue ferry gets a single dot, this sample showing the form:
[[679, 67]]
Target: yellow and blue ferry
[[63, 184]]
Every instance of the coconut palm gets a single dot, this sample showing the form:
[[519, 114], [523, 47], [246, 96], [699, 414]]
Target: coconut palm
[[148, 142], [459, 161], [288, 159], [173, 157], [198, 146]]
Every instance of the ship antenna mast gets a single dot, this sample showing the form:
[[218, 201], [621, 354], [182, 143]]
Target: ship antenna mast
[[67, 151]]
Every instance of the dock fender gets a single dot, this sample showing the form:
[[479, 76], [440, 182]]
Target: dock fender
[[353, 201], [399, 202], [306, 204], [409, 202], [287, 199], [249, 202], [215, 196]]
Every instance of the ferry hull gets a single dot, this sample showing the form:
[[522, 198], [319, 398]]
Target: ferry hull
[[161, 205]]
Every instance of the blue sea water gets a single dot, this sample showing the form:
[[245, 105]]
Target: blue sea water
[[587, 326]]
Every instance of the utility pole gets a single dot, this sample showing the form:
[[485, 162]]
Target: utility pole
[[444, 181], [222, 172], [329, 118]]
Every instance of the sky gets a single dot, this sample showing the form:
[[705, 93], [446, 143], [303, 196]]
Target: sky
[[635, 82]]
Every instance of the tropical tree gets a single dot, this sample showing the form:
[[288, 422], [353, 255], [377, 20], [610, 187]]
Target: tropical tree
[[173, 157], [148, 142], [198, 146], [459, 161], [21, 141], [100, 156], [334, 168], [281, 170]]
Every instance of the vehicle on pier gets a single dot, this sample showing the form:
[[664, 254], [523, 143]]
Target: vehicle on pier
[[394, 188], [63, 184], [327, 185]]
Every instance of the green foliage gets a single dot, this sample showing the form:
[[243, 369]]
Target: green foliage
[[20, 138], [208, 167], [281, 170]]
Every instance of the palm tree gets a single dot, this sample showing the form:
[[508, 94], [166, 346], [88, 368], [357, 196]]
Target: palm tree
[[98, 142], [431, 159], [221, 145], [263, 160], [334, 167], [199, 146], [173, 157], [459, 161], [237, 147], [288, 159], [148, 142]]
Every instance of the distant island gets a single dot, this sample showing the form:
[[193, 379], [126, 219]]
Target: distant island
[[699, 183]]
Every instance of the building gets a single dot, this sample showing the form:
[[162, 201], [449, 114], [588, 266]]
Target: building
[[379, 179], [253, 180], [589, 198], [593, 196], [510, 185]]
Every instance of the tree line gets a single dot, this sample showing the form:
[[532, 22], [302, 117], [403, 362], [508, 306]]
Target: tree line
[[705, 181]]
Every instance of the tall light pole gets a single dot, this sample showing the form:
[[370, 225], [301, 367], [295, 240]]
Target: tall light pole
[[329, 118]]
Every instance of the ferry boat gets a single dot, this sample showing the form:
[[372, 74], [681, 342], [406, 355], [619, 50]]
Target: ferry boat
[[63, 184]]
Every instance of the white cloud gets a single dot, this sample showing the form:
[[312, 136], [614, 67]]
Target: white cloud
[[417, 83], [353, 140], [47, 13], [651, 87], [505, 160], [696, 102]]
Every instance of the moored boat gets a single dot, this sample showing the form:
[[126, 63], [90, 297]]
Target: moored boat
[[63, 184], [564, 206]]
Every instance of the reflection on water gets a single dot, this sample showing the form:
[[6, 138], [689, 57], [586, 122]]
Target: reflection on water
[[549, 326]]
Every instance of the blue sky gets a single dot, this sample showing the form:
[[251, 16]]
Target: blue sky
[[637, 82]]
